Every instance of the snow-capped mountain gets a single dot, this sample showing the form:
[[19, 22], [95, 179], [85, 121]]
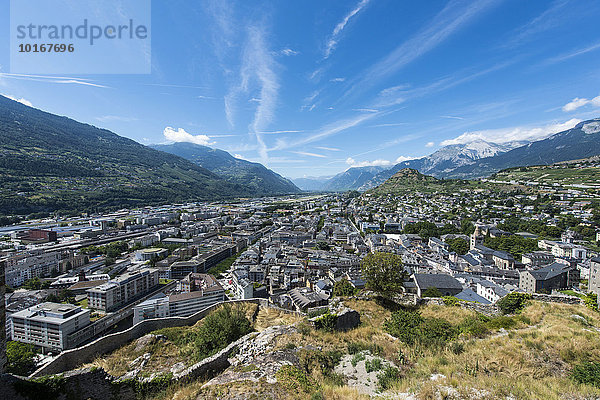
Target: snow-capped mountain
[[453, 156], [446, 160]]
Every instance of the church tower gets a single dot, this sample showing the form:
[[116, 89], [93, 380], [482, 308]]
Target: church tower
[[476, 238]]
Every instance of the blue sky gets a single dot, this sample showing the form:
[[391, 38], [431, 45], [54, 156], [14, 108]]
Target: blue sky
[[311, 88]]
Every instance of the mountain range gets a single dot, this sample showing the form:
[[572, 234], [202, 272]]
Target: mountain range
[[53, 163], [477, 159], [261, 180]]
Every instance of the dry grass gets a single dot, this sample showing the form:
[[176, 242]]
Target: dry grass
[[163, 356], [532, 362], [270, 317]]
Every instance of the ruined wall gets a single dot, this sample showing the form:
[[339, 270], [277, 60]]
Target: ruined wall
[[71, 359]]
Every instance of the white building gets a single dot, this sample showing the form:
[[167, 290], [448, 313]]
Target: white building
[[48, 324], [123, 289], [198, 291]]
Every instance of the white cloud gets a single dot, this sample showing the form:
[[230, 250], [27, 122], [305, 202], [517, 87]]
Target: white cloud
[[430, 144], [571, 54], [304, 153], [326, 131], [52, 79], [289, 52], [339, 28], [20, 100], [337, 80], [180, 135], [580, 102], [375, 163], [505, 135], [279, 132], [451, 117], [327, 148]]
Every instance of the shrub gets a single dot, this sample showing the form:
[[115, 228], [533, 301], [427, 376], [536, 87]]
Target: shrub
[[410, 327], [358, 357], [218, 329], [502, 322], [587, 373], [319, 360], [451, 301], [357, 347], [403, 325], [458, 348], [326, 322], [387, 377], [474, 326], [513, 302], [373, 365], [293, 378], [591, 301]]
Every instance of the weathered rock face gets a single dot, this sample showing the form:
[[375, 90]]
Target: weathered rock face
[[347, 319], [88, 383], [255, 358]]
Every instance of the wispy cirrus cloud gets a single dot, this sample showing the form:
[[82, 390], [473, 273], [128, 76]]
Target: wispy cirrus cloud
[[306, 153], [581, 102], [65, 80], [327, 148], [339, 28], [552, 17], [257, 73], [289, 52], [279, 132], [450, 19], [326, 131], [512, 134], [571, 54], [260, 63], [180, 135], [401, 93]]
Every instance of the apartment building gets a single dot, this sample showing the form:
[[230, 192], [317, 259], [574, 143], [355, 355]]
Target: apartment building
[[195, 293], [47, 325], [122, 290]]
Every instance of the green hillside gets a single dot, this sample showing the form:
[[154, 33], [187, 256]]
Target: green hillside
[[257, 177], [53, 163], [581, 172], [410, 180]]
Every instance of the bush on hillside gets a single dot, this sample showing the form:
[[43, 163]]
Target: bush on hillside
[[587, 373], [513, 302]]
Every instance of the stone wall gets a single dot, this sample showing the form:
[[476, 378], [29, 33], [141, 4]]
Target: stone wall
[[71, 359], [551, 298]]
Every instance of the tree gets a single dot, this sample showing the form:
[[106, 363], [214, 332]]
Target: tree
[[322, 246], [384, 273], [343, 288], [20, 358], [458, 245]]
